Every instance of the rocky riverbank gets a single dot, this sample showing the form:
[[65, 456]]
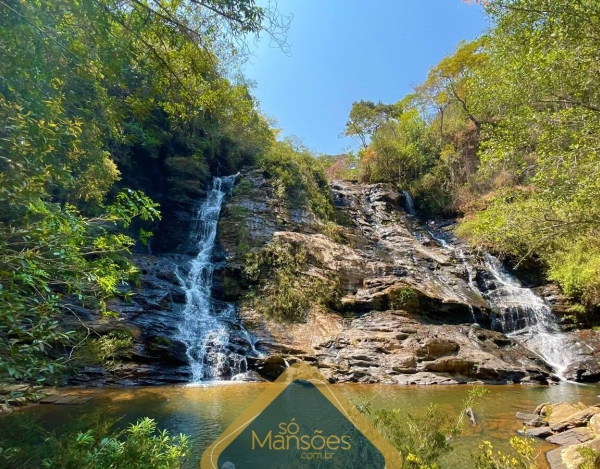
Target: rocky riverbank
[[574, 428]]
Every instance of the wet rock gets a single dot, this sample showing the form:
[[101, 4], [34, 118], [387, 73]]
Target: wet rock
[[168, 350], [539, 432], [585, 348], [249, 377], [271, 367], [571, 437]]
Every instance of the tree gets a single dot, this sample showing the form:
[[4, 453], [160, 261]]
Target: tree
[[90, 93], [450, 81], [541, 86], [366, 117]]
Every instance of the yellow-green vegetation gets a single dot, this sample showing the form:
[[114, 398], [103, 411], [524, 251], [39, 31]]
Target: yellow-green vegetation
[[523, 456], [423, 438], [96, 100], [98, 446], [283, 289], [110, 347], [298, 178], [404, 298], [591, 458], [138, 446], [334, 231], [505, 131]]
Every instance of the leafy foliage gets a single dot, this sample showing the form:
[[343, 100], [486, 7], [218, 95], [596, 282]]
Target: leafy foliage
[[366, 118], [524, 455], [298, 178], [591, 458], [139, 446], [96, 100], [285, 291], [99, 444], [109, 347], [422, 438]]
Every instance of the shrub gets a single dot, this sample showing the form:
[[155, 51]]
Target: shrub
[[423, 438], [284, 290], [140, 446], [524, 455], [298, 178], [91, 444]]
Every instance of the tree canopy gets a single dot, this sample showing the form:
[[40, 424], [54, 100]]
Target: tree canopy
[[96, 97]]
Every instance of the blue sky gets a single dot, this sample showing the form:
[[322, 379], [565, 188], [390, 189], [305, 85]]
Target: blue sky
[[347, 50]]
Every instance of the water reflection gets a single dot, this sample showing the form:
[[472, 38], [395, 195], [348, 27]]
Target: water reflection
[[205, 411]]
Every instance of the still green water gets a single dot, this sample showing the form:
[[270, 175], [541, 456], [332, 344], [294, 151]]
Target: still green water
[[204, 411]]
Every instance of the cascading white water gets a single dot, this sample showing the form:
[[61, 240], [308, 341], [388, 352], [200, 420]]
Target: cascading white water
[[517, 311], [410, 206], [521, 314], [205, 325]]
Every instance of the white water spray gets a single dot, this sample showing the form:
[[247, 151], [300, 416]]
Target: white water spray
[[517, 311], [410, 205], [526, 317], [205, 327]]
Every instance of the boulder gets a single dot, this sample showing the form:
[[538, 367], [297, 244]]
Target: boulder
[[454, 365], [539, 432], [554, 458], [531, 420], [572, 457], [561, 411], [542, 409], [271, 367], [578, 419], [571, 437]]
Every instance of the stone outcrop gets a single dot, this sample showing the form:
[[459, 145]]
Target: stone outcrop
[[406, 313], [570, 427], [586, 347], [405, 308], [150, 319]]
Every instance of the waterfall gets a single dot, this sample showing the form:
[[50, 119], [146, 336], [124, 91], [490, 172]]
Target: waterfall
[[410, 206], [206, 324], [516, 311], [521, 314]]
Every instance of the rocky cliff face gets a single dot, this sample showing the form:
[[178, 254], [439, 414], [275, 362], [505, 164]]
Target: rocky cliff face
[[406, 308], [406, 311]]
